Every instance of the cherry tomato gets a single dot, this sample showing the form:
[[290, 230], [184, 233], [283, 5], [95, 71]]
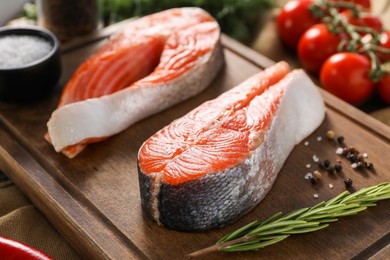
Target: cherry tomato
[[365, 20], [293, 20], [315, 46], [384, 88], [346, 75], [384, 42]]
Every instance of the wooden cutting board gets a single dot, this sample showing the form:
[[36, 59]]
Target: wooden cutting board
[[93, 200]]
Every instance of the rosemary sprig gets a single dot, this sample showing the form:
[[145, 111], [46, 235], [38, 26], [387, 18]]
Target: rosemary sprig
[[259, 234]]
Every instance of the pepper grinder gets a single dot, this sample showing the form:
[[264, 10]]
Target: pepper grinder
[[68, 18]]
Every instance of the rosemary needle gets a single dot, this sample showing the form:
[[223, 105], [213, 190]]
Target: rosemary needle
[[259, 234]]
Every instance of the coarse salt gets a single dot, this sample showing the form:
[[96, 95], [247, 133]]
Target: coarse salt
[[21, 50], [308, 176], [339, 150], [308, 165], [354, 165], [306, 143], [365, 155], [319, 138], [330, 185], [315, 158], [316, 195]]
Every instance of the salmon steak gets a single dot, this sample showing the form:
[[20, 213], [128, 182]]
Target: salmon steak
[[216, 163], [155, 62]]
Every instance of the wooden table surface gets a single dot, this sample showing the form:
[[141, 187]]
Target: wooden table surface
[[93, 200]]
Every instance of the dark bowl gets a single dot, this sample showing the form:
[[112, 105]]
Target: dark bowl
[[33, 80]]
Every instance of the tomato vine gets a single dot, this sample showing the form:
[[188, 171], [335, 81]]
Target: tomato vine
[[329, 13]]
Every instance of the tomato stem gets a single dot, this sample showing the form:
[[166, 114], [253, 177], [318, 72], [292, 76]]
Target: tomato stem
[[381, 49], [376, 71], [344, 4], [386, 67], [329, 12]]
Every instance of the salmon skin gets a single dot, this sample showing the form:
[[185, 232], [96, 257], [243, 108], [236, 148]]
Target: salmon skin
[[155, 62], [217, 162]]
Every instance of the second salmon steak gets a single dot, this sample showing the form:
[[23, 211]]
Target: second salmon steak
[[153, 63]]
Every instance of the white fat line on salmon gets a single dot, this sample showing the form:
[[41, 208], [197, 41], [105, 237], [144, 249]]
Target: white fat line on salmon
[[154, 192]]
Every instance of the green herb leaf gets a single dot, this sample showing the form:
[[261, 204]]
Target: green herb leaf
[[259, 234]]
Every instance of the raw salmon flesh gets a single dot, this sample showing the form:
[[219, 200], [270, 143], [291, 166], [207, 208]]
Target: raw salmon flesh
[[217, 162], [155, 62]]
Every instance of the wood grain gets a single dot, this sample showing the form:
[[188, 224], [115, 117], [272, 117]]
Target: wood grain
[[93, 200]]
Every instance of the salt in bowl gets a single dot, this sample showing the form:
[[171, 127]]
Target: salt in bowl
[[30, 63]]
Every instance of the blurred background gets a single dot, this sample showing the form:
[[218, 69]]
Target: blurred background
[[238, 19], [252, 22]]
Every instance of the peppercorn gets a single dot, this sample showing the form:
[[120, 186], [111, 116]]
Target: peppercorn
[[360, 165], [348, 182], [359, 158], [330, 169], [340, 139], [330, 135], [326, 163], [321, 165], [317, 175], [353, 150], [369, 166], [338, 167], [352, 157]]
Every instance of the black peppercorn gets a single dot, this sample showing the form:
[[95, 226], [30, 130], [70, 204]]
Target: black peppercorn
[[369, 166], [338, 167], [326, 163], [330, 169], [340, 139], [348, 182], [360, 165], [321, 165], [352, 157]]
